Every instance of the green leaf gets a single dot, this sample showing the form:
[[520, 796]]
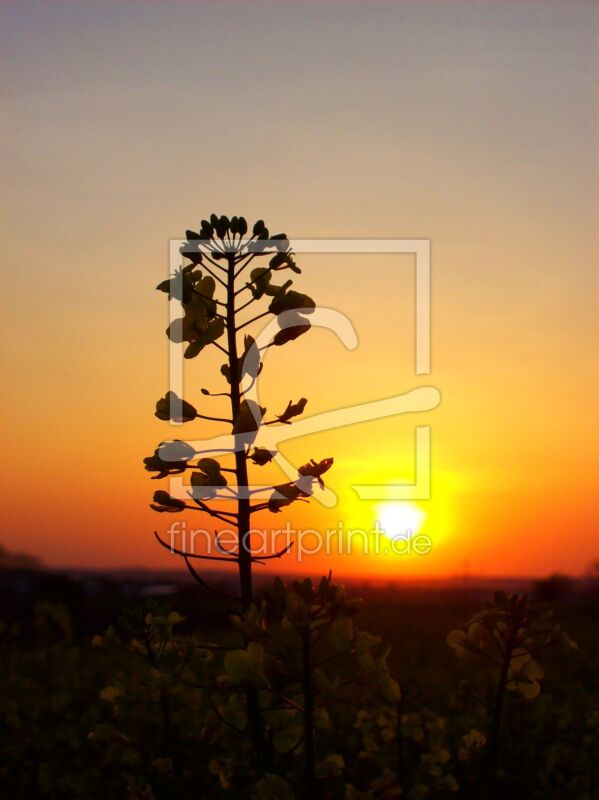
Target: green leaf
[[286, 729], [322, 681], [330, 767], [272, 787], [296, 610], [474, 740], [341, 634], [246, 667], [389, 687], [108, 733], [110, 693]]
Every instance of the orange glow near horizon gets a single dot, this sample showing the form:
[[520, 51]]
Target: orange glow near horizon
[[478, 136]]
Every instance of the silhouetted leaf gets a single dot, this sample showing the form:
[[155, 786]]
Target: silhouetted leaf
[[226, 372], [290, 301], [169, 458], [249, 417], [178, 287], [222, 226], [283, 261], [288, 334], [259, 228], [210, 333], [250, 360], [292, 410], [206, 482], [281, 242], [171, 407], [316, 469], [260, 278], [206, 230], [176, 451], [212, 469], [163, 502], [284, 494], [276, 291], [262, 456]]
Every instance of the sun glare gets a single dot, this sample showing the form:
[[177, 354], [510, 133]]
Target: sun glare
[[399, 519]]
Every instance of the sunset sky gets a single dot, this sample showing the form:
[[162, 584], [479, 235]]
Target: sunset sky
[[471, 124]]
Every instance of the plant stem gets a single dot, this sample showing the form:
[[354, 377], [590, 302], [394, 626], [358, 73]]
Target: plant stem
[[243, 513], [308, 715], [243, 504], [170, 738], [495, 734]]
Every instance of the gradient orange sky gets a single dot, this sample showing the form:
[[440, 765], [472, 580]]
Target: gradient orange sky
[[473, 125]]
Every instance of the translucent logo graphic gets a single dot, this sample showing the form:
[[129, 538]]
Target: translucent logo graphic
[[416, 400]]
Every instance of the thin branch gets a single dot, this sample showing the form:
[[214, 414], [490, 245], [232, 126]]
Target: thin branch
[[220, 547], [291, 704], [216, 449], [213, 419], [249, 303], [249, 322], [243, 266], [216, 278], [219, 592], [258, 507], [217, 394], [212, 299], [268, 269], [204, 507], [213, 262], [280, 554], [220, 347], [185, 554], [225, 721]]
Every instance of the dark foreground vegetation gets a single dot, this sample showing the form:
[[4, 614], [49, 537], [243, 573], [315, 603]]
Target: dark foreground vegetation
[[155, 706]]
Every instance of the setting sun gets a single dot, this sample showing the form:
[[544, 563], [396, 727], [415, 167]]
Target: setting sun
[[400, 519]]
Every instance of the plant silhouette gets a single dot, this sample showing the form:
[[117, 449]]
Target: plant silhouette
[[219, 293], [214, 290]]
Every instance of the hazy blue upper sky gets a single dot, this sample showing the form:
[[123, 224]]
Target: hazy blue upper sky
[[336, 107]]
